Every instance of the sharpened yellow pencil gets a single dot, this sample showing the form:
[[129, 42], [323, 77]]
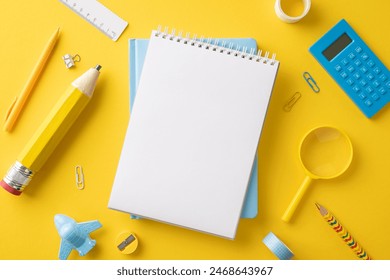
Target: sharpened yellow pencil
[[343, 233]]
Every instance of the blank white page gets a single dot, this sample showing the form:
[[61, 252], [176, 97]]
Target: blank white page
[[192, 136]]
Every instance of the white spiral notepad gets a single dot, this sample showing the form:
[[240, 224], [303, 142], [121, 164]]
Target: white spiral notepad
[[193, 134]]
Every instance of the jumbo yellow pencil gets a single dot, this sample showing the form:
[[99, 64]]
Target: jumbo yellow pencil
[[50, 133]]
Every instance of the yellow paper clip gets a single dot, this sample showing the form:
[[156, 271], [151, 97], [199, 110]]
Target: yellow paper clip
[[309, 79], [291, 102], [79, 177]]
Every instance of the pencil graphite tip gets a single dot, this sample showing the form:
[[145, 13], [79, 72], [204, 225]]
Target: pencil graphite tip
[[98, 67]]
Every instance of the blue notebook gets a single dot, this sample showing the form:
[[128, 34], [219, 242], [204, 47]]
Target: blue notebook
[[137, 51]]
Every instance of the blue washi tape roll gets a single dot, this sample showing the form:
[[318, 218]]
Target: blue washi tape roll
[[277, 247]]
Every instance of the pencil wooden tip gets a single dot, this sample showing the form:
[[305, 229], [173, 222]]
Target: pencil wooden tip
[[322, 209]]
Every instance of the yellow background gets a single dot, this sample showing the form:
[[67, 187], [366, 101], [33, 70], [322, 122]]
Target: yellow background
[[359, 198]]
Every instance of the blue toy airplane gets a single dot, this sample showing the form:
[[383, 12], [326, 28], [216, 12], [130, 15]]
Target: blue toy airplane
[[75, 235]]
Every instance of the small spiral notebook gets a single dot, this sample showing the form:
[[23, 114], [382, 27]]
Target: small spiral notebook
[[193, 134], [137, 52]]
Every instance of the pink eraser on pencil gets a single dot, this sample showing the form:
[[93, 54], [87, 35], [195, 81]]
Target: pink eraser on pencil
[[9, 189]]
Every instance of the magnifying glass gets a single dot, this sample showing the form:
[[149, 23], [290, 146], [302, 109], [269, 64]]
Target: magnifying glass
[[325, 153]]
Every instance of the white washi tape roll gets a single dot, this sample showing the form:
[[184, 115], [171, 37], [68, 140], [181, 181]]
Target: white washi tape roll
[[277, 247], [286, 18]]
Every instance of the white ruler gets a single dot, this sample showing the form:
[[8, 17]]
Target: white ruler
[[99, 16]]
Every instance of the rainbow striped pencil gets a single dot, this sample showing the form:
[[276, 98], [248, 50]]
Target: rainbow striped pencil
[[343, 233]]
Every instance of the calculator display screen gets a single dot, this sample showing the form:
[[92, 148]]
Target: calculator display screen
[[337, 46]]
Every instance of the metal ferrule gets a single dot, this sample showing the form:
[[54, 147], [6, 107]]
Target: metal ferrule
[[18, 176]]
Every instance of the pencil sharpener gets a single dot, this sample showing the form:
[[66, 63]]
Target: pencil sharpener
[[126, 242]]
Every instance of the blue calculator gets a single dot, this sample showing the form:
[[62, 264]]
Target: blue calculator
[[351, 63]]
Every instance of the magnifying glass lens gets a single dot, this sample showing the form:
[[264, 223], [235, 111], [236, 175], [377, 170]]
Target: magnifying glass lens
[[326, 152]]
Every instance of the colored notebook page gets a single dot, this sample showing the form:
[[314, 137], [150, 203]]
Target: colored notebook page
[[137, 51], [191, 143]]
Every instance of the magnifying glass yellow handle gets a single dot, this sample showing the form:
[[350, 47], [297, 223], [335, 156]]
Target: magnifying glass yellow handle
[[297, 198]]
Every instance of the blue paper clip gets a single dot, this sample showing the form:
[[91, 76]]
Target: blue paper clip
[[309, 79]]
